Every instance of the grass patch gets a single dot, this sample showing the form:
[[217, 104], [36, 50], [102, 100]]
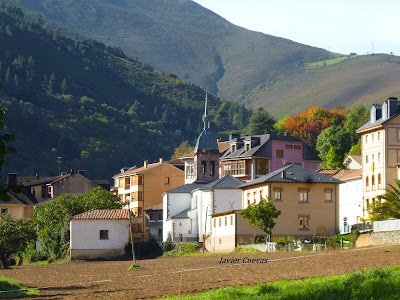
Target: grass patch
[[134, 266], [379, 283], [184, 250], [327, 62], [245, 250], [11, 288]]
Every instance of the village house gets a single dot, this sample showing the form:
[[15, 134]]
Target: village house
[[250, 157], [353, 162], [308, 202], [142, 188], [350, 197], [154, 221], [38, 190], [99, 233], [380, 149]]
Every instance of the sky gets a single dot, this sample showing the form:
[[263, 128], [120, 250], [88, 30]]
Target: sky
[[342, 26]]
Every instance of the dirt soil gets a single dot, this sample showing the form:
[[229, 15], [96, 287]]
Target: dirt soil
[[163, 275]]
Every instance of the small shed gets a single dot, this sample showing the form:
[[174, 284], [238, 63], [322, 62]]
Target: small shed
[[99, 233]]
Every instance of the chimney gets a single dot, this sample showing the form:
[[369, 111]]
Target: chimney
[[37, 176], [161, 160], [82, 172], [72, 172], [283, 174], [12, 179], [145, 164]]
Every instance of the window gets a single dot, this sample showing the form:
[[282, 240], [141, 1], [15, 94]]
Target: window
[[373, 182], [255, 197], [203, 168], [366, 139], [328, 195], [366, 184], [366, 159], [261, 194], [103, 234], [234, 167], [121, 182], [160, 217], [4, 211], [297, 147], [303, 196], [262, 166], [220, 222], [303, 222], [248, 198], [166, 180], [140, 180], [379, 181], [140, 196], [231, 220], [289, 146], [215, 223], [212, 168], [367, 200], [277, 195], [151, 217], [279, 153], [372, 157], [189, 171], [127, 183], [379, 136], [372, 137], [220, 241], [379, 156], [226, 221]]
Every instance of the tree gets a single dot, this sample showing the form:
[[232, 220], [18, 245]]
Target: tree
[[15, 235], [52, 217], [184, 148], [335, 136], [64, 86], [261, 122], [390, 208], [262, 215], [333, 159]]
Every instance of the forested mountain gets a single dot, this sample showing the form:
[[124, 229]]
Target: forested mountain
[[184, 38], [92, 105]]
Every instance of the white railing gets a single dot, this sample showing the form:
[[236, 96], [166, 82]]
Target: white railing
[[388, 225]]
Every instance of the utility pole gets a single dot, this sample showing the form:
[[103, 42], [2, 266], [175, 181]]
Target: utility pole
[[59, 161], [130, 232]]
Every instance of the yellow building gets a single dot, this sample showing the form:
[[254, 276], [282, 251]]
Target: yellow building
[[143, 187], [308, 202], [380, 149], [20, 206]]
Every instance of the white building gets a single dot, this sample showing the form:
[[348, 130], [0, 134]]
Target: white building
[[99, 233], [188, 209]]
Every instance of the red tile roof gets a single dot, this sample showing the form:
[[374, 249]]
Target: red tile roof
[[137, 170], [103, 214], [341, 174], [155, 207]]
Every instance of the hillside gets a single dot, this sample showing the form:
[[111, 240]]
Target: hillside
[[92, 105], [362, 79], [182, 37]]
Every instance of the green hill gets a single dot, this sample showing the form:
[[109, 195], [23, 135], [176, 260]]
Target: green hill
[[91, 104], [362, 79], [182, 37]]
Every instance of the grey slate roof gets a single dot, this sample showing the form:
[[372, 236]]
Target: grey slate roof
[[187, 188], [294, 174], [226, 182], [264, 149], [206, 140], [20, 198]]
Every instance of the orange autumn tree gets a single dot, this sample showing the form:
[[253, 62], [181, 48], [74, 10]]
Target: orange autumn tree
[[309, 124]]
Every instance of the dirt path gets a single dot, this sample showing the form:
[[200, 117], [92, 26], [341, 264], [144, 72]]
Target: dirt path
[[161, 276]]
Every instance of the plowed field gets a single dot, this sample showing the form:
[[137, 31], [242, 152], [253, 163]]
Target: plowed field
[[165, 275]]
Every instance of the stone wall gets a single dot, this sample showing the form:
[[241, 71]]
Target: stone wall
[[385, 238]]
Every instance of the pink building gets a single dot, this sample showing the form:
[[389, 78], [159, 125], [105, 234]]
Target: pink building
[[250, 157]]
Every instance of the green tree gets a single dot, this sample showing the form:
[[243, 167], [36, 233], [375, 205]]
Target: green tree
[[355, 149], [15, 235], [262, 215], [335, 136], [333, 159], [52, 217], [183, 149], [261, 122], [390, 208]]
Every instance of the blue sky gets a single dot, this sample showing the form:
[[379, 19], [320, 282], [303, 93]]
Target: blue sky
[[341, 26]]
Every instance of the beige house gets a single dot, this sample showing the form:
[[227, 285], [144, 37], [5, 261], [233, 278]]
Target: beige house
[[308, 202], [99, 233], [380, 148], [142, 188]]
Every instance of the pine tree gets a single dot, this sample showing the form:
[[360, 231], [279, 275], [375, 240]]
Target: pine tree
[[64, 86]]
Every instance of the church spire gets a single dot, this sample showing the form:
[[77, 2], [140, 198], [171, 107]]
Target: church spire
[[205, 117]]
